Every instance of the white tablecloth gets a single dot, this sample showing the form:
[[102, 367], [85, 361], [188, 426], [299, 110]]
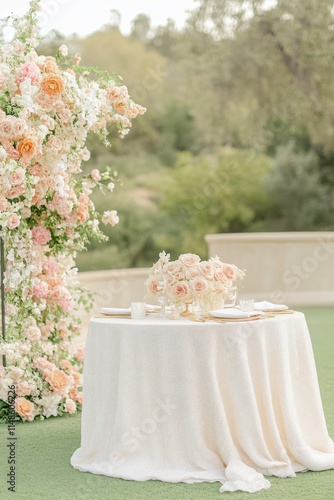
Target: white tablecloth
[[188, 402]]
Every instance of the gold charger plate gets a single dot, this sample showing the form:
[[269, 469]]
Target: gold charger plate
[[110, 315], [279, 311], [235, 320]]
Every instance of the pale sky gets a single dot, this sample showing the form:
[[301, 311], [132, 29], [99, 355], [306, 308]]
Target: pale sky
[[84, 16]]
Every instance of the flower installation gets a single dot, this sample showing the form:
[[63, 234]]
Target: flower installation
[[190, 280], [47, 108]]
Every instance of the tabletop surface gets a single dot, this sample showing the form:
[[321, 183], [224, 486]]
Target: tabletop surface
[[154, 319]]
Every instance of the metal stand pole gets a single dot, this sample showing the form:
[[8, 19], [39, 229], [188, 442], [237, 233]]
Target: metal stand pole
[[2, 271]]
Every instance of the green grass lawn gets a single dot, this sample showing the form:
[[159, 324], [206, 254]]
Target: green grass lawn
[[44, 450]]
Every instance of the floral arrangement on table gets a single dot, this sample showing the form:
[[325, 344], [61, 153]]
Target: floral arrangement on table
[[48, 105], [190, 280]]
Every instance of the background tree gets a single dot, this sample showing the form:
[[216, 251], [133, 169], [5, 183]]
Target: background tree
[[244, 82]]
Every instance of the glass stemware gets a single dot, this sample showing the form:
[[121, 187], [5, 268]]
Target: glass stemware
[[232, 297], [163, 301]]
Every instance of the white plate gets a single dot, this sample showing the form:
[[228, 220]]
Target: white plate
[[232, 313], [269, 306]]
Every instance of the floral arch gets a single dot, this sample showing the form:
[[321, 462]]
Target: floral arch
[[48, 105]]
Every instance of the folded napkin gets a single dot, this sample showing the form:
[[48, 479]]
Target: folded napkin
[[120, 311], [232, 312], [269, 306], [116, 310]]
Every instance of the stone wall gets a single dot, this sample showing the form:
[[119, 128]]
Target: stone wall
[[296, 268]]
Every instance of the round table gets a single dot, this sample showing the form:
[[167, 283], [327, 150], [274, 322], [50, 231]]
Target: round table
[[181, 401]]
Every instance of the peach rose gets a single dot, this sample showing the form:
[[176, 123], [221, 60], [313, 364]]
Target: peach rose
[[19, 128], [216, 262], [50, 65], [55, 143], [22, 389], [155, 287], [192, 273], [58, 380], [170, 279], [229, 271], [16, 178], [220, 275], [70, 406], [120, 107], [13, 153], [206, 269], [181, 291], [189, 259], [40, 191], [199, 286], [51, 266], [172, 267], [13, 221], [60, 293], [66, 365], [41, 235], [41, 290], [36, 170], [96, 176], [15, 192], [27, 148], [82, 212], [16, 373], [6, 130], [52, 85], [25, 409], [63, 333], [78, 398], [114, 93], [33, 333], [43, 364], [3, 203], [80, 354], [76, 377], [28, 70], [62, 205]]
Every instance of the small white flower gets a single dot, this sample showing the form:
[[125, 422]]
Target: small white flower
[[110, 217], [63, 50], [164, 257]]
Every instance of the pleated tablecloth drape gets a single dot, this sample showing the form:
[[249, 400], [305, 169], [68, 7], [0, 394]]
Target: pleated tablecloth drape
[[180, 401]]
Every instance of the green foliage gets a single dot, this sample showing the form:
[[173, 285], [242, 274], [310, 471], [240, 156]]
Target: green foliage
[[264, 61], [225, 95], [302, 201], [176, 131], [219, 193]]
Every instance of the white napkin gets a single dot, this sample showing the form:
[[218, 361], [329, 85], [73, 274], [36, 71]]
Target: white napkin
[[232, 312], [269, 306], [116, 310]]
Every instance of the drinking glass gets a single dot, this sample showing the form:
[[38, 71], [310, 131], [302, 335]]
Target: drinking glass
[[138, 310], [246, 304]]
